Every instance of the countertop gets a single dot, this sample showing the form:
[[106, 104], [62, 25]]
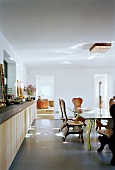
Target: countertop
[[9, 111]]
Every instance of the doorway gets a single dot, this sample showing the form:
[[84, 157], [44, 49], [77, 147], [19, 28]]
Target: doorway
[[103, 89], [100, 91], [45, 96]]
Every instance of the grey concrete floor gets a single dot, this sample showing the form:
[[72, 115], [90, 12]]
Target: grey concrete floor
[[43, 149]]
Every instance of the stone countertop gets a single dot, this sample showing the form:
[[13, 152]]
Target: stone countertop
[[9, 111]]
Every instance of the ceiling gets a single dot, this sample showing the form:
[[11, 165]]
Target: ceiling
[[49, 33]]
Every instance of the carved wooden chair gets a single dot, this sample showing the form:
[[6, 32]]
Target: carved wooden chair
[[63, 125], [77, 101], [74, 124]]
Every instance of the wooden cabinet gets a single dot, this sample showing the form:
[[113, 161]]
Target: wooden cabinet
[[12, 134]]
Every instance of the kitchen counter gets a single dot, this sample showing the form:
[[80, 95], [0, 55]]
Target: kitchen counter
[[15, 121], [9, 111]]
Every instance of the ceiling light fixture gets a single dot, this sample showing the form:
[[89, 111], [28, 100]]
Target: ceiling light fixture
[[100, 47]]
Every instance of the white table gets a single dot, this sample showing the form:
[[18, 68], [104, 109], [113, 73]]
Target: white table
[[91, 115]]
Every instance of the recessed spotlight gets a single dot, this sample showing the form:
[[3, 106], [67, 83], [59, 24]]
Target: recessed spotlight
[[11, 58], [57, 51], [66, 62], [91, 57], [65, 52], [77, 45]]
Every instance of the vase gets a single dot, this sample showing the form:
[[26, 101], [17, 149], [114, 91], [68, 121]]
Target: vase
[[29, 97]]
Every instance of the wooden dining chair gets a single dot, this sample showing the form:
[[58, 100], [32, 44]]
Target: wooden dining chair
[[77, 101], [63, 125], [77, 126]]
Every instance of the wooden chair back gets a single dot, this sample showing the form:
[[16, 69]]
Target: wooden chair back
[[77, 102], [62, 116], [111, 102], [64, 109]]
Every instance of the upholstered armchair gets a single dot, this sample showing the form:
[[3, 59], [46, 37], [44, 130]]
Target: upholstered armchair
[[42, 103]]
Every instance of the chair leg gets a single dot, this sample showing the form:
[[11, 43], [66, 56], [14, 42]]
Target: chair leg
[[98, 124], [82, 138], [65, 133], [62, 126]]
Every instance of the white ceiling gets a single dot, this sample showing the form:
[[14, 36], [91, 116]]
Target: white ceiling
[[45, 33]]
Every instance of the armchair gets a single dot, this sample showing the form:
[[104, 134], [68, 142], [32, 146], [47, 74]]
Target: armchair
[[42, 103]]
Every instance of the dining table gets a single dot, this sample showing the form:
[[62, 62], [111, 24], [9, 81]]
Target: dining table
[[91, 114]]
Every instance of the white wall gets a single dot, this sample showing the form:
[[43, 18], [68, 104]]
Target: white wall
[[69, 83]]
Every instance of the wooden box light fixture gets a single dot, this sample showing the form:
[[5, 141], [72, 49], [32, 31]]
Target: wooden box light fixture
[[100, 47]]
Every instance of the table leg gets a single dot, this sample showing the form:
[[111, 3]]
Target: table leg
[[88, 132]]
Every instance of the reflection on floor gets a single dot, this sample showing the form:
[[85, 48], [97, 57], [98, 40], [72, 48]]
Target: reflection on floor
[[45, 116], [45, 113], [43, 149], [49, 110]]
